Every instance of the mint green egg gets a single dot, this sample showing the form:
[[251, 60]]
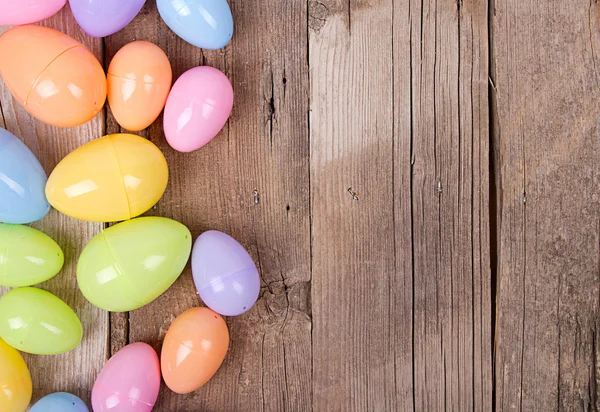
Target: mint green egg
[[27, 256], [130, 264], [35, 321]]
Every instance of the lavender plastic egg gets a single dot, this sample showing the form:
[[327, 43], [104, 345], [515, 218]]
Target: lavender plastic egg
[[101, 18], [224, 273]]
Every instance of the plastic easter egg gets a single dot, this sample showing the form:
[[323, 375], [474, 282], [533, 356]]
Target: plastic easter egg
[[22, 182], [101, 18], [130, 264], [114, 178], [35, 321], [139, 80], [16, 13], [129, 382], [198, 107], [194, 348], [204, 23], [59, 402], [15, 380], [224, 273], [56, 78], [27, 256]]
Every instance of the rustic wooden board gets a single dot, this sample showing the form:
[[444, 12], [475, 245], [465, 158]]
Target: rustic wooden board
[[400, 216], [452, 290], [546, 135], [251, 181], [75, 371], [355, 169]]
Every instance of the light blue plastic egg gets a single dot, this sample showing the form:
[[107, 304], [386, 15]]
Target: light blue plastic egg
[[204, 23], [59, 402], [22, 182]]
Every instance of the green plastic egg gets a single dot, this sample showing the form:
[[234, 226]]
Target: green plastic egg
[[27, 256], [130, 264], [35, 321]]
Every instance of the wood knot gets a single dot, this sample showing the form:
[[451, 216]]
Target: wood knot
[[317, 15]]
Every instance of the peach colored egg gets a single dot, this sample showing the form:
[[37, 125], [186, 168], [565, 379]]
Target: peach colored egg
[[139, 80], [194, 349], [53, 76]]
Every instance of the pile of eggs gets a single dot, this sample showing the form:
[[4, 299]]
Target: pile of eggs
[[114, 178]]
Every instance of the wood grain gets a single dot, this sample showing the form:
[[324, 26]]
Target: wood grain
[[251, 181], [450, 209], [547, 139], [75, 371], [399, 178], [351, 130]]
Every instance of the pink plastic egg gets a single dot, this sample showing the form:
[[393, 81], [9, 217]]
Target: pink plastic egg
[[19, 12], [129, 382], [197, 108]]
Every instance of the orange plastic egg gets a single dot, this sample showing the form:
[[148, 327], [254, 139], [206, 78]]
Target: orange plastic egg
[[139, 80], [56, 78], [194, 349]]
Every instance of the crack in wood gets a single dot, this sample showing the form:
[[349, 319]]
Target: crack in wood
[[271, 110]]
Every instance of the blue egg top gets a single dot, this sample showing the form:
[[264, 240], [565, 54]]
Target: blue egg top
[[204, 23], [59, 402], [22, 182]]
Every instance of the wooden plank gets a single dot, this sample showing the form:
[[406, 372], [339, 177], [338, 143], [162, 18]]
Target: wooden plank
[[401, 268], [547, 129], [75, 371], [351, 127], [251, 182], [452, 290]]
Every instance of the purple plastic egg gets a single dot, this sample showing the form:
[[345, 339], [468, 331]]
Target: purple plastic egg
[[101, 18], [224, 273]]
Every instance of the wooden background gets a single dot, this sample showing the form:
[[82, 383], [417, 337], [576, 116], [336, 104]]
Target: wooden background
[[418, 182]]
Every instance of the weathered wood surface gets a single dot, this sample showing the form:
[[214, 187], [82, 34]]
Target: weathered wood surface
[[252, 182], [355, 168], [547, 152], [399, 192]]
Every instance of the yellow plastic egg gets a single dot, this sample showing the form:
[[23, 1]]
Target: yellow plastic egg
[[15, 380], [114, 178]]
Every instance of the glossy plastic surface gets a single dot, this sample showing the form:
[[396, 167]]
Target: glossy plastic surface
[[204, 23], [53, 76], [15, 380], [27, 256], [224, 273], [130, 264], [114, 178], [129, 382], [193, 350], [198, 107], [139, 80], [35, 321], [101, 18], [22, 182], [59, 402], [18, 12]]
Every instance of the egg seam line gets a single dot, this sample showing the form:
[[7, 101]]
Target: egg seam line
[[33, 86], [2, 266], [112, 145], [118, 265], [131, 80], [184, 5], [231, 273]]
